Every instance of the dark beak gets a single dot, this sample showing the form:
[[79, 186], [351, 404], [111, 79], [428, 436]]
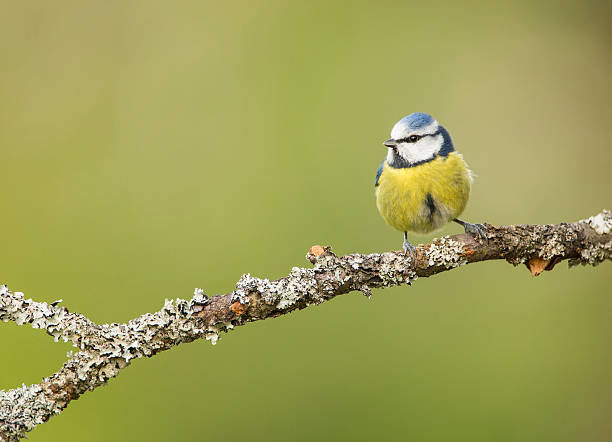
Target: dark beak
[[390, 143]]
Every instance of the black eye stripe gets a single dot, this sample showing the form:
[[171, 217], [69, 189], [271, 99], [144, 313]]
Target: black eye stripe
[[412, 139]]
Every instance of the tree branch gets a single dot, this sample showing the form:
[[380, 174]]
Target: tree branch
[[103, 350]]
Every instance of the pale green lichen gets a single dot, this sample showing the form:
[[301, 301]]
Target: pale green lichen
[[22, 409], [56, 320], [446, 252], [601, 223], [393, 269], [300, 285], [554, 245], [326, 261], [593, 254]]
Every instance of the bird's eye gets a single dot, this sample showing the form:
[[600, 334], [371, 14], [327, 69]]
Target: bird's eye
[[413, 138]]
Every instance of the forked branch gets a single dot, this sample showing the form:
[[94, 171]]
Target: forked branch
[[103, 350]]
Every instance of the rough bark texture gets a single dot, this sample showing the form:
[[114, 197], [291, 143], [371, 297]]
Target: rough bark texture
[[103, 350]]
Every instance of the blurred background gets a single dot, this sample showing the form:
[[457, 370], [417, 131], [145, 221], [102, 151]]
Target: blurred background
[[147, 148]]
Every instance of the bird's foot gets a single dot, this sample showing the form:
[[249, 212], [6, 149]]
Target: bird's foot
[[478, 231], [409, 249]]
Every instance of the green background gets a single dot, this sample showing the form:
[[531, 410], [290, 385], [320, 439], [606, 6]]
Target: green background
[[147, 148]]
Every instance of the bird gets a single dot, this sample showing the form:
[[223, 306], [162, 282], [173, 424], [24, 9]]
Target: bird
[[423, 183]]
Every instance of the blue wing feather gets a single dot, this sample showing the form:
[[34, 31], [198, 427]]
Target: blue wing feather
[[379, 173]]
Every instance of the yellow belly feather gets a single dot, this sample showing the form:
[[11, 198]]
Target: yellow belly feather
[[402, 194]]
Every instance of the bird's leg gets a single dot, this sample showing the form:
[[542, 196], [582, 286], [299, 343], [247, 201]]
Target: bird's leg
[[478, 231], [408, 248]]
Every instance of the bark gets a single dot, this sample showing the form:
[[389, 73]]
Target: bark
[[103, 350]]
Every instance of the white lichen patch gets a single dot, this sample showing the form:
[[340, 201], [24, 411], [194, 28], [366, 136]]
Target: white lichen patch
[[601, 223], [393, 269], [240, 295], [56, 320], [445, 252], [326, 261], [150, 333], [300, 285], [199, 300], [553, 245], [22, 408], [355, 261], [593, 255]]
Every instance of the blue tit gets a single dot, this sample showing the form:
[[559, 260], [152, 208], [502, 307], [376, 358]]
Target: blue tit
[[423, 183]]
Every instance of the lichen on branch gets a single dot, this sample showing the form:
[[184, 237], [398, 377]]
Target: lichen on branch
[[104, 350]]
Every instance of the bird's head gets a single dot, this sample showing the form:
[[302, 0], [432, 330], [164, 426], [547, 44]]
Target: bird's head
[[416, 139]]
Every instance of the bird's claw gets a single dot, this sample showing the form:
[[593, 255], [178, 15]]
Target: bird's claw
[[478, 231], [409, 249]]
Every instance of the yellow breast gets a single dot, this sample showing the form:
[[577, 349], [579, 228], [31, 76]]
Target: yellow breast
[[425, 197]]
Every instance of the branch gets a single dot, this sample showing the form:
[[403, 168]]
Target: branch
[[103, 350]]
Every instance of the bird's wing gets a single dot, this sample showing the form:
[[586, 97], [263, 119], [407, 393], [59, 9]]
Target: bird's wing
[[379, 173]]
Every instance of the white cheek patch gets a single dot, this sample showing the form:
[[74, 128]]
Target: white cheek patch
[[390, 156], [422, 150]]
